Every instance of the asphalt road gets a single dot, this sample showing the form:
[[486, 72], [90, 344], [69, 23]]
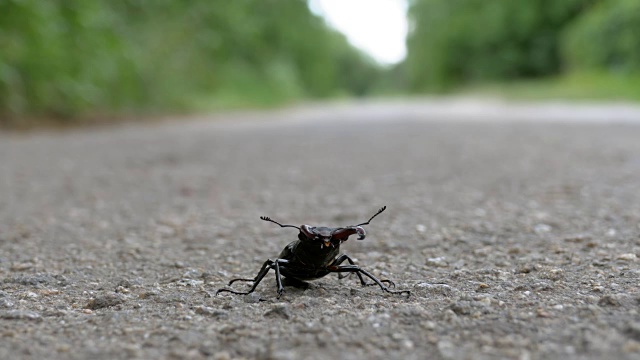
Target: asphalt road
[[516, 228]]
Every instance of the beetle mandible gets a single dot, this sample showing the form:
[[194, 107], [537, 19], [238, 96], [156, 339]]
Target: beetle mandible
[[315, 254]]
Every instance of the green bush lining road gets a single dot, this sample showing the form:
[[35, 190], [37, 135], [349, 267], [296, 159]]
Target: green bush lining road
[[77, 61]]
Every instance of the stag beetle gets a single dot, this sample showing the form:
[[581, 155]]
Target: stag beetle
[[314, 255]]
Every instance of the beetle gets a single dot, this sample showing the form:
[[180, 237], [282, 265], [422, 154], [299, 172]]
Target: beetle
[[314, 255]]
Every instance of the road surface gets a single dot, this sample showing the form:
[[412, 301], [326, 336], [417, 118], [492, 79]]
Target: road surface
[[516, 228]]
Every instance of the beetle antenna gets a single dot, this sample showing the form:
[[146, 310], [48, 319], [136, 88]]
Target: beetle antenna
[[376, 214], [266, 218]]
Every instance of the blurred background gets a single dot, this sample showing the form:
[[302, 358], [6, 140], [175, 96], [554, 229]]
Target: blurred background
[[82, 61]]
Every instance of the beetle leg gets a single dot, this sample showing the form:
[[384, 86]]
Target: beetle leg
[[268, 265], [276, 266], [264, 266], [340, 259], [356, 269]]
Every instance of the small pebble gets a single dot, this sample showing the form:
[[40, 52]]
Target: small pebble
[[554, 274], [63, 348], [222, 355], [486, 301], [104, 301], [279, 310], [437, 262], [209, 311], [22, 266], [442, 289], [542, 313], [628, 257], [20, 315], [609, 300], [48, 292], [253, 298], [542, 229], [631, 346], [482, 286]]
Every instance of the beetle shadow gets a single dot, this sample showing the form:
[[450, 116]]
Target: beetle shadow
[[295, 287], [298, 284]]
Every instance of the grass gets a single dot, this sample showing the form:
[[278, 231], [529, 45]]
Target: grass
[[573, 87]]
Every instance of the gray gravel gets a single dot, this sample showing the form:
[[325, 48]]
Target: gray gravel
[[518, 239]]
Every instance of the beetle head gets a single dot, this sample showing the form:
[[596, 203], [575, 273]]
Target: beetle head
[[330, 236]]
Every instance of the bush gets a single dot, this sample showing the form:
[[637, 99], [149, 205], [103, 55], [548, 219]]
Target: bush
[[459, 41], [77, 58], [606, 38]]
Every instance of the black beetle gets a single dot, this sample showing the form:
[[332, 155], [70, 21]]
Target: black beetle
[[314, 255]]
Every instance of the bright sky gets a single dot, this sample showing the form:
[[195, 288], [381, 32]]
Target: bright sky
[[378, 27]]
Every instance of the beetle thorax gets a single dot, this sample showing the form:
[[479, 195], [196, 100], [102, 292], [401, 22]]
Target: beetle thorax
[[320, 235], [315, 252]]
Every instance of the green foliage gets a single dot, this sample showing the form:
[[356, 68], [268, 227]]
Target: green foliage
[[606, 37], [574, 86], [52, 65], [460, 41], [70, 58]]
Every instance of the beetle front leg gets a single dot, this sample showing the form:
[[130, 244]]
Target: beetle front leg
[[268, 265], [264, 267], [278, 278], [356, 269], [340, 259]]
